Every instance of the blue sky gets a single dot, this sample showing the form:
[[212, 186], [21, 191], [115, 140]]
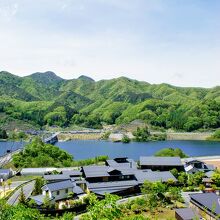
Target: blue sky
[[171, 41]]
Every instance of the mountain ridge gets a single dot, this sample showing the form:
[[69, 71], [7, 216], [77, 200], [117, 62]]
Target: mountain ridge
[[46, 98]]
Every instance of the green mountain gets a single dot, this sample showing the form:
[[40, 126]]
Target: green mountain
[[45, 98]]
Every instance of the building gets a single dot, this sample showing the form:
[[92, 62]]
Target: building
[[121, 162], [161, 163], [37, 171], [58, 191], [186, 214], [207, 204], [193, 165], [5, 174], [120, 176]]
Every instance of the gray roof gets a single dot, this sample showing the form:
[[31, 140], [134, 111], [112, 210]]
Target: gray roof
[[187, 214], [5, 171], [161, 161], [59, 185], [99, 171], [111, 187], [56, 177], [39, 199], [209, 173], [207, 201], [152, 176], [129, 164], [72, 172]]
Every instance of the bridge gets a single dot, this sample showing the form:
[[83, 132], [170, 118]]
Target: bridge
[[52, 139]]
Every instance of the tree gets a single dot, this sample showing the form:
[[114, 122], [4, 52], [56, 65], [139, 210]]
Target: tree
[[3, 134], [3, 185], [103, 209], [39, 182], [170, 152], [126, 139], [9, 182], [142, 134], [22, 198], [216, 178]]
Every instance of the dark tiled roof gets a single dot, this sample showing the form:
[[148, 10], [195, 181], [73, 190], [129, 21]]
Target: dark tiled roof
[[130, 163], [154, 176], [72, 172], [111, 187], [56, 177], [161, 161], [99, 171], [59, 185], [208, 201], [187, 214]]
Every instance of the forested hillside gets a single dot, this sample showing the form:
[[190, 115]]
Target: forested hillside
[[46, 99]]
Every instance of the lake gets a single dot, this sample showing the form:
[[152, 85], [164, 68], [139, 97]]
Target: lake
[[82, 149]]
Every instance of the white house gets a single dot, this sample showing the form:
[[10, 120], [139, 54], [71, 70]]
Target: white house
[[58, 191]]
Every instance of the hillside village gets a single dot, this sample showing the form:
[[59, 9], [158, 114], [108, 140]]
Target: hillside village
[[67, 189]]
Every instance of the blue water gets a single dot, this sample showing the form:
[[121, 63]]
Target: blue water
[[9, 145], [90, 148], [82, 149]]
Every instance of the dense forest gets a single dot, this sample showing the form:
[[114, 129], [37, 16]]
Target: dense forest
[[45, 99]]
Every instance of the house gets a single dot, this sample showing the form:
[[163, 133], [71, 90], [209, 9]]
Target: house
[[96, 173], [193, 165], [186, 214], [207, 204], [58, 191], [5, 174], [121, 162], [121, 180], [161, 163], [51, 178]]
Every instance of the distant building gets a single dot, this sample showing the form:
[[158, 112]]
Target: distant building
[[186, 214], [37, 171], [193, 165], [5, 174], [161, 163], [207, 204]]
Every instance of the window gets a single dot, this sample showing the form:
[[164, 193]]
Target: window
[[66, 190], [58, 193]]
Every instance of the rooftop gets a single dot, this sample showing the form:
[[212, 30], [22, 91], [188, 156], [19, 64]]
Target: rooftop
[[154, 176], [59, 185], [160, 161], [187, 214], [207, 201]]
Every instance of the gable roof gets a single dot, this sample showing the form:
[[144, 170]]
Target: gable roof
[[160, 161], [101, 171], [110, 187], [129, 163], [59, 185], [56, 177], [207, 201], [154, 176]]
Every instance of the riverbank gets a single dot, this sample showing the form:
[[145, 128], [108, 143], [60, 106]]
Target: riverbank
[[117, 136]]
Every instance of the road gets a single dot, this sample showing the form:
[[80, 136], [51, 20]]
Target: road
[[13, 185], [28, 188], [7, 158]]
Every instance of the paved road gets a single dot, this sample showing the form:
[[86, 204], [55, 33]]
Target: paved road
[[28, 188], [7, 158], [13, 185]]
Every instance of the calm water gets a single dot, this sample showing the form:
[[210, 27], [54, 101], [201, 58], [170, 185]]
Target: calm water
[[90, 148]]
